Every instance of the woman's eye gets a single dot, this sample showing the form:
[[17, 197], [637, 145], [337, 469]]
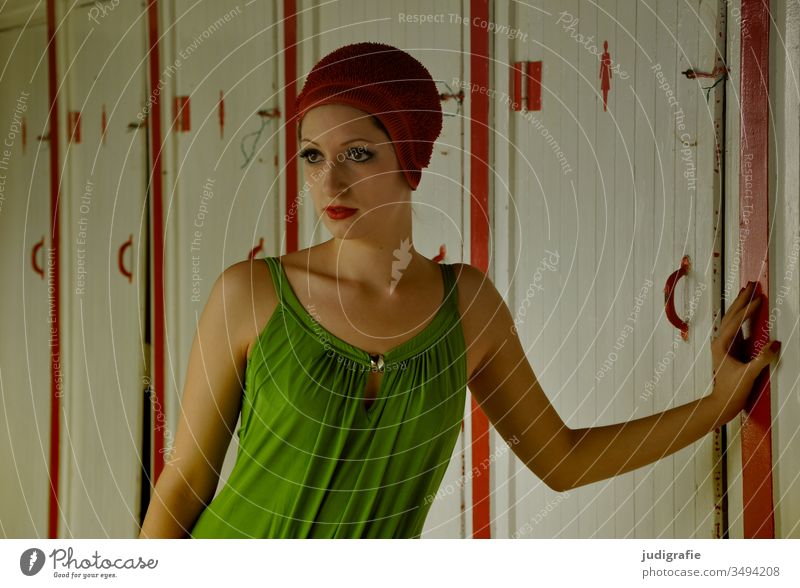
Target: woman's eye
[[357, 154], [308, 154], [360, 154]]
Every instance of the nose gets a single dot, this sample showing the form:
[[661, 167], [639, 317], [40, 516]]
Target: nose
[[334, 181]]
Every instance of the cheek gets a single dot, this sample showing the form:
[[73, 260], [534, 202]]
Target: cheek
[[313, 178], [386, 173], [382, 186]]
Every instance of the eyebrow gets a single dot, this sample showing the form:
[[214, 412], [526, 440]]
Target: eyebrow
[[345, 143]]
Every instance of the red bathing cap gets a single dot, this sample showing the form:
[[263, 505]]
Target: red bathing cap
[[387, 83]]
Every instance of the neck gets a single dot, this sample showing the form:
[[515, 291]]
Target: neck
[[380, 264]]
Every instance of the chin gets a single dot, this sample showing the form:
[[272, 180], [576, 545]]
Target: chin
[[347, 231], [344, 234]]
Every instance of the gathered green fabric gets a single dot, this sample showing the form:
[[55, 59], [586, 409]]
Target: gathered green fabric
[[314, 461]]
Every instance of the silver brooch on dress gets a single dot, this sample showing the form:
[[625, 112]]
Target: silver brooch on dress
[[376, 362]]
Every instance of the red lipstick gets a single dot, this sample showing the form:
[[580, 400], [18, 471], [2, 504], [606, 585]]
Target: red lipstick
[[339, 212]]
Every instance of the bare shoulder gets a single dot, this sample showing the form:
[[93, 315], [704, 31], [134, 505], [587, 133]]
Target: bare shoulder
[[485, 317], [245, 291]]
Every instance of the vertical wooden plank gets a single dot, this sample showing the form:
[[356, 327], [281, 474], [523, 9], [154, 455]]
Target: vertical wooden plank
[[103, 200], [460, 137], [54, 136], [549, 280], [589, 189], [529, 202], [646, 95], [290, 91], [686, 202], [607, 280], [556, 126], [666, 337], [784, 306], [310, 231], [753, 199], [521, 205], [157, 223], [707, 228], [733, 252], [26, 395], [626, 209], [503, 137], [479, 221], [571, 232]]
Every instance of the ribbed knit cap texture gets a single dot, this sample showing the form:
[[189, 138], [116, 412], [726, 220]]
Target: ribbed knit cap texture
[[388, 83]]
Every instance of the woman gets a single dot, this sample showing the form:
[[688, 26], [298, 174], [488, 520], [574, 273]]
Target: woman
[[358, 351]]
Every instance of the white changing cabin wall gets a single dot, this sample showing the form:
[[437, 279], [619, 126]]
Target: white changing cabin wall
[[223, 189], [784, 242], [603, 201], [25, 261], [104, 255], [101, 221], [580, 254], [733, 253], [784, 250]]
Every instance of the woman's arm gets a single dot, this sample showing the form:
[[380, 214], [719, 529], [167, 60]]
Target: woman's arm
[[507, 390], [212, 397], [602, 452]]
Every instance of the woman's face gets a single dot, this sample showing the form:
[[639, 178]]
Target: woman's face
[[349, 162]]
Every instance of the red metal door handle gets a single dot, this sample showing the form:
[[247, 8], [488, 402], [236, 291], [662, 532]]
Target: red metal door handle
[[121, 261], [442, 252], [669, 297], [35, 258], [257, 249]]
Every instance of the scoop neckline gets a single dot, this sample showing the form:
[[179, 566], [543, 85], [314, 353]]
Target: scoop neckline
[[399, 352]]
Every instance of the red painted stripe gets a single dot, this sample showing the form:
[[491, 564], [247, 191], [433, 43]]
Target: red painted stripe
[[479, 229], [53, 275], [439, 257], [516, 85], [180, 114], [74, 123], [103, 125], [154, 124], [759, 520], [221, 110], [534, 85], [290, 93]]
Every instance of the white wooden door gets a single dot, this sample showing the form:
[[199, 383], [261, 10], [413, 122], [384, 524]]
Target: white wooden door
[[606, 180], [223, 197], [24, 260], [104, 252]]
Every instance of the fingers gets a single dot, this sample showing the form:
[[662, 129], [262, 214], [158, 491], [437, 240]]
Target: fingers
[[742, 298], [765, 357], [732, 322], [747, 311], [736, 346], [727, 328]]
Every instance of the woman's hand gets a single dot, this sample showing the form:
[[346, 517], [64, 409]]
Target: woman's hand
[[733, 380]]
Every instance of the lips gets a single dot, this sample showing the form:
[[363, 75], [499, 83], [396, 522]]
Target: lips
[[339, 212]]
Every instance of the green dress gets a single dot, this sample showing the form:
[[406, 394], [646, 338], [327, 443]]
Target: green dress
[[313, 460]]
